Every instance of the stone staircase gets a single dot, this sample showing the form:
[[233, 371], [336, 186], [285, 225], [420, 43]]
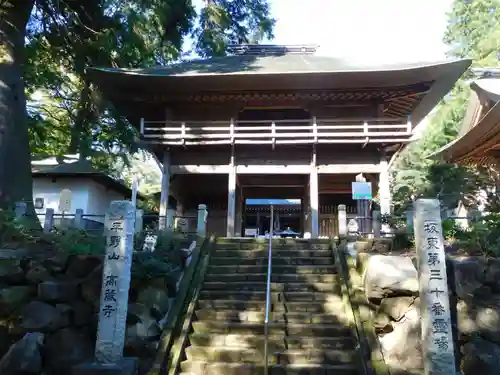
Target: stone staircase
[[308, 332]]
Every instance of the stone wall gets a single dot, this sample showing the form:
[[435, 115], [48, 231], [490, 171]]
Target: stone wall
[[49, 308], [392, 291]]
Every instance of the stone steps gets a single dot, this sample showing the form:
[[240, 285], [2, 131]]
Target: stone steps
[[277, 261], [258, 316], [277, 287], [252, 244], [229, 368], [305, 334], [280, 357], [284, 277], [277, 342], [259, 305], [260, 295], [277, 253], [307, 330], [278, 269]]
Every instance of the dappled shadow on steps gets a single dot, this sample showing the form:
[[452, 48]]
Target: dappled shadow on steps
[[309, 331]]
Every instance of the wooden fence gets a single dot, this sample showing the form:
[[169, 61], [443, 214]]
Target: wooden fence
[[94, 223]]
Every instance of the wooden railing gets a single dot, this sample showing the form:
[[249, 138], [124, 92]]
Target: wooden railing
[[380, 130]]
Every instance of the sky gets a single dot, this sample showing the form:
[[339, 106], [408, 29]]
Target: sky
[[372, 31], [378, 31]]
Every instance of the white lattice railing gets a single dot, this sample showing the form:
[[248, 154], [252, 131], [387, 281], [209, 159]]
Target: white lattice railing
[[380, 130]]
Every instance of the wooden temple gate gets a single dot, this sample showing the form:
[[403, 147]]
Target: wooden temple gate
[[274, 112]]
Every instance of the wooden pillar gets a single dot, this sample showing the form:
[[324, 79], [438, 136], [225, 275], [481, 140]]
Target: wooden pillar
[[165, 187], [239, 211], [314, 196], [384, 187], [307, 212], [231, 197], [342, 219], [362, 209], [384, 191]]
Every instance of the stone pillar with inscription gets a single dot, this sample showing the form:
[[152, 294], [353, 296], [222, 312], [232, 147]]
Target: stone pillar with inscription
[[437, 340], [119, 231]]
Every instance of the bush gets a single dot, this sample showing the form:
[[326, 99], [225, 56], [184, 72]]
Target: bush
[[483, 236], [165, 262], [451, 230], [402, 240]]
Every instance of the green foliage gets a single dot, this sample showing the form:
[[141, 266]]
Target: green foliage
[[483, 236], [13, 231], [224, 22], [473, 32], [395, 222], [150, 266], [450, 229], [165, 262], [67, 113], [76, 242], [402, 240]]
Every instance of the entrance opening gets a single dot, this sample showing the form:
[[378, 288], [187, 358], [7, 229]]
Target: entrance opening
[[287, 217]]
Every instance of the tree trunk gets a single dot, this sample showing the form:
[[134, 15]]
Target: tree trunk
[[15, 160], [79, 137]]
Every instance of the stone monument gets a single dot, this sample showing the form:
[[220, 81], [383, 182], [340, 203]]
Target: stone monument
[[119, 231], [437, 340]]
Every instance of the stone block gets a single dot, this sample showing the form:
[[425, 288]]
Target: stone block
[[397, 307], [10, 271], [24, 357], [389, 276], [470, 277], [57, 291]]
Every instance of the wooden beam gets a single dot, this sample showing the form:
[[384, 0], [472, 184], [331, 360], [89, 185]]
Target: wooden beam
[[273, 185], [273, 169], [348, 168], [165, 190], [200, 169]]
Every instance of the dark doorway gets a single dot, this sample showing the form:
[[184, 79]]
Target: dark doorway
[[286, 217]]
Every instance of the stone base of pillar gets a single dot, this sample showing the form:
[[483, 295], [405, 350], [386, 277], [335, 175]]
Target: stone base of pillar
[[127, 366]]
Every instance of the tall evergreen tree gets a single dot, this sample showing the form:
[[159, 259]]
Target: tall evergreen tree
[[45, 46], [473, 32]]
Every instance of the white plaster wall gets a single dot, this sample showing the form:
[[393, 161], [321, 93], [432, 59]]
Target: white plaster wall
[[92, 197], [50, 190], [99, 199]]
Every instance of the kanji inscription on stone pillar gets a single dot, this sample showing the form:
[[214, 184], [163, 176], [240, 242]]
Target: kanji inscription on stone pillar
[[119, 232], [437, 339]]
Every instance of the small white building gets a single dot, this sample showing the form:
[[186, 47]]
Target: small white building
[[91, 190]]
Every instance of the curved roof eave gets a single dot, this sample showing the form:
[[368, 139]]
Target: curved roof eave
[[488, 86], [444, 74], [472, 141], [315, 65]]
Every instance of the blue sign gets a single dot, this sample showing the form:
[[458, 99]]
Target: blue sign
[[273, 202], [361, 191]]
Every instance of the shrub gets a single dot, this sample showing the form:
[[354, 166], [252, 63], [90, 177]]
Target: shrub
[[483, 236], [165, 262]]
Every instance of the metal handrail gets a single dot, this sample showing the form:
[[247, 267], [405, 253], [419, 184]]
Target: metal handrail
[[268, 292]]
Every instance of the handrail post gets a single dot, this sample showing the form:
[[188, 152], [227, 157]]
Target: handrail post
[[273, 133], [315, 129], [268, 290]]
